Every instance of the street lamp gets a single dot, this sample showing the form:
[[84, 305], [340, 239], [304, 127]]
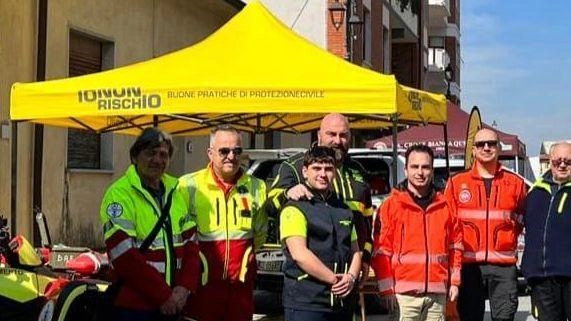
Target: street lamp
[[337, 13], [354, 25], [448, 75]]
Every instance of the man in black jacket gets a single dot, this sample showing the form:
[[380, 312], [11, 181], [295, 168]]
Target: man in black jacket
[[322, 256], [349, 184], [546, 262]]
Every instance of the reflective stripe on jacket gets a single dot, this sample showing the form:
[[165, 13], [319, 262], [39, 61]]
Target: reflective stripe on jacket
[[491, 224], [129, 213], [416, 250], [229, 228]]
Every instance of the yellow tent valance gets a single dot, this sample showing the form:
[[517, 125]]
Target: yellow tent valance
[[258, 79]]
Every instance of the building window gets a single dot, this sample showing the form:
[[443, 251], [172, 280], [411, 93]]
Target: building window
[[436, 42], [85, 149]]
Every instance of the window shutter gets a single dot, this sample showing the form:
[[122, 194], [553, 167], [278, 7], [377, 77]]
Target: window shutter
[[84, 147]]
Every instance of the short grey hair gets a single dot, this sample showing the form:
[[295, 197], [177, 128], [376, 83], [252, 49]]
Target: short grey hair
[[222, 128], [559, 143]]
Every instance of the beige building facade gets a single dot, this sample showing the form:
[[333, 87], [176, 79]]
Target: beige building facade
[[129, 31]]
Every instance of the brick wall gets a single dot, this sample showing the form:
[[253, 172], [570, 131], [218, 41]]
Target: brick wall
[[377, 35], [336, 37]]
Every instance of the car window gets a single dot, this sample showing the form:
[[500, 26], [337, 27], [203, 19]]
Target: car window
[[441, 176], [377, 171], [267, 170]]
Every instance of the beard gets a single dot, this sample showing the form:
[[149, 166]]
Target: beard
[[340, 153]]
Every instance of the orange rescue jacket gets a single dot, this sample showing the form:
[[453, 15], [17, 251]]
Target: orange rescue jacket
[[416, 251], [491, 224]]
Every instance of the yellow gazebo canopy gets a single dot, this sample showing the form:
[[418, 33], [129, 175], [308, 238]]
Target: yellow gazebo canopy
[[254, 73]]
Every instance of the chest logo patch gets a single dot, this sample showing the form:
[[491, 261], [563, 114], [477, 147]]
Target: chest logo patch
[[345, 222], [465, 196], [114, 210]]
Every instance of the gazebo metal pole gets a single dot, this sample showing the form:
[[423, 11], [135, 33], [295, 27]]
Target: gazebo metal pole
[[446, 151], [395, 149]]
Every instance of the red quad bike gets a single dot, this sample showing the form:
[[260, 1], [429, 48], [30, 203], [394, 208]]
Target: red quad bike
[[52, 283]]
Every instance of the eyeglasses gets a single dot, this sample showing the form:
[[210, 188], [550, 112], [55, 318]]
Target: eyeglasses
[[490, 143], [225, 151], [561, 161]]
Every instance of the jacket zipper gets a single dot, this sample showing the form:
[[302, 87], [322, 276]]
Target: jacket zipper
[[235, 208], [544, 249], [227, 245], [424, 214], [217, 212], [402, 232], [487, 225]]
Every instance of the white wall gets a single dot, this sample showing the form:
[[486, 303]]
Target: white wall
[[305, 17]]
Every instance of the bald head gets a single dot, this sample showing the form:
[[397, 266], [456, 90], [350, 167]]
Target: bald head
[[486, 149], [560, 159], [485, 134], [334, 132], [334, 119]]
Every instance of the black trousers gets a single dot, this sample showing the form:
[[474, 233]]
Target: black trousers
[[552, 297], [304, 315], [498, 283]]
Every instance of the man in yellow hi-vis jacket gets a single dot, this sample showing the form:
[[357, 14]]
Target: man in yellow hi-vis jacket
[[155, 282], [225, 202]]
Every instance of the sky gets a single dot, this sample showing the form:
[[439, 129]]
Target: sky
[[517, 66]]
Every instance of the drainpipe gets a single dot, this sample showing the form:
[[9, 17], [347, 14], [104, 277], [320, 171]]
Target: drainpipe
[[420, 27], [39, 129], [13, 176]]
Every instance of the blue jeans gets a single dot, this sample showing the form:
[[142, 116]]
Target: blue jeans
[[304, 315]]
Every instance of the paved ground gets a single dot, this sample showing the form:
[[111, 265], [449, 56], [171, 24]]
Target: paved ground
[[268, 305]]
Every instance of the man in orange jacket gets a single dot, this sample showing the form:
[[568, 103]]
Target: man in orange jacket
[[489, 201], [418, 252]]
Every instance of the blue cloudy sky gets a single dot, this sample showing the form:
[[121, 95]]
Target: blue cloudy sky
[[517, 66]]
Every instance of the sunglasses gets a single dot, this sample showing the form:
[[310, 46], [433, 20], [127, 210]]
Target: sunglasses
[[490, 143], [561, 161], [225, 151]]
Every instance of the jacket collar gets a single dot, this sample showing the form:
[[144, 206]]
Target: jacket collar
[[546, 183], [135, 180], [317, 195], [209, 172], [474, 171], [402, 194]]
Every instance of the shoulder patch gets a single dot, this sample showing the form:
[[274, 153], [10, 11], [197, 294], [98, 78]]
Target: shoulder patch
[[114, 210], [465, 196]]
